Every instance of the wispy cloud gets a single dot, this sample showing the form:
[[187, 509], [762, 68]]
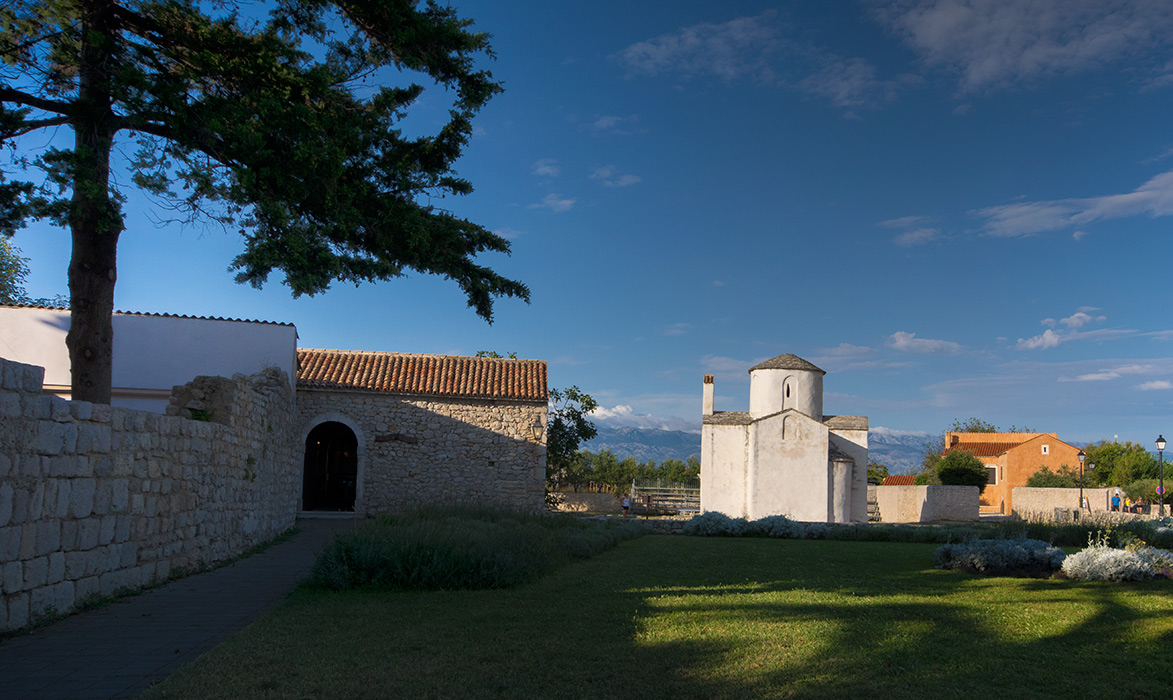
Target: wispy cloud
[[1108, 374], [908, 342], [1154, 198], [732, 50], [610, 176], [1156, 385], [508, 234], [1068, 329], [853, 83], [676, 329], [915, 233], [555, 203], [995, 44], [546, 167], [625, 416]]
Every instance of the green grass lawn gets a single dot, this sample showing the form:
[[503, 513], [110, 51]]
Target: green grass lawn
[[680, 618]]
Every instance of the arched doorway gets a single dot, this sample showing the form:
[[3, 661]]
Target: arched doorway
[[330, 476]]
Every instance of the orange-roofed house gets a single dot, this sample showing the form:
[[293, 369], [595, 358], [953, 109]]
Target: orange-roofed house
[[1011, 459]]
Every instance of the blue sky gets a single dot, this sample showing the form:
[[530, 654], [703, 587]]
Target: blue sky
[[955, 208]]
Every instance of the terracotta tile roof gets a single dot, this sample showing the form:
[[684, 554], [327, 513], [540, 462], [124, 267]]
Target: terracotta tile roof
[[986, 449], [434, 375], [899, 480]]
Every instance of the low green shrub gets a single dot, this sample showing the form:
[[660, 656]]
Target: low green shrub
[[1000, 557], [460, 548], [714, 524]]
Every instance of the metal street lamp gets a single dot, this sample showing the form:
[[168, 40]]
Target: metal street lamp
[[1081, 457], [1161, 476]]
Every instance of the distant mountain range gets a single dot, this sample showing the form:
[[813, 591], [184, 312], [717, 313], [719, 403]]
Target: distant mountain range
[[900, 451]]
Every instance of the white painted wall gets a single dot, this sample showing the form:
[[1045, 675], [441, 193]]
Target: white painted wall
[[151, 353], [723, 474], [788, 467], [767, 392], [854, 443]]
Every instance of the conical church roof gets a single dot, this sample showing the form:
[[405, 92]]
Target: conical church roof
[[787, 361]]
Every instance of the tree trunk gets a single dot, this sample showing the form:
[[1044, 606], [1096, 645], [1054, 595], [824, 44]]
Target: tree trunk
[[95, 223]]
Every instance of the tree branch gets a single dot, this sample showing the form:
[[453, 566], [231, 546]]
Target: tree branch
[[20, 97], [35, 124]]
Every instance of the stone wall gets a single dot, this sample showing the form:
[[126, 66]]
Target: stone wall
[[925, 504], [414, 450], [591, 502], [1041, 502], [95, 499]]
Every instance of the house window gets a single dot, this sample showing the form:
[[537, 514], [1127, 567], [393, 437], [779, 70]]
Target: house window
[[1046, 449], [993, 475]]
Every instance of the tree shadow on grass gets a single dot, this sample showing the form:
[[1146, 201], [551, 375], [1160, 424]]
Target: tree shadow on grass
[[683, 618]]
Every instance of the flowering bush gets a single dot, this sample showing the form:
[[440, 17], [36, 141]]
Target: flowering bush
[[778, 526], [1000, 556], [713, 523], [1100, 563]]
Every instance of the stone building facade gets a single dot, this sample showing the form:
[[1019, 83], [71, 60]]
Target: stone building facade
[[420, 429]]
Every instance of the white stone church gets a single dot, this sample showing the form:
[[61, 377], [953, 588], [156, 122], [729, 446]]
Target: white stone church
[[783, 456]]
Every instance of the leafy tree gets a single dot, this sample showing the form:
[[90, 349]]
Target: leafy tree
[[270, 126], [1119, 463], [961, 468], [567, 428], [13, 270], [877, 472], [1143, 490], [496, 355], [973, 425], [1063, 477]]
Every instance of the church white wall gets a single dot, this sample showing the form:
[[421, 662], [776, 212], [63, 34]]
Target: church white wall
[[854, 443], [784, 447], [152, 354], [723, 469], [767, 392]]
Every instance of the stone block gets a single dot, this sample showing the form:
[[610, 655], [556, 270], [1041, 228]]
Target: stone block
[[5, 466], [28, 541], [100, 413], [75, 565], [54, 438], [89, 533], [12, 577], [10, 406], [93, 438], [63, 466], [111, 582], [81, 498], [81, 410], [122, 528], [109, 525], [59, 410], [69, 533], [10, 542], [120, 496], [36, 572], [59, 499], [129, 555], [102, 465], [48, 537], [56, 567], [6, 502], [18, 611], [63, 596], [88, 587], [41, 602], [20, 505]]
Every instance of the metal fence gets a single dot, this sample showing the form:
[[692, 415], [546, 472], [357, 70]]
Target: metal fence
[[664, 500]]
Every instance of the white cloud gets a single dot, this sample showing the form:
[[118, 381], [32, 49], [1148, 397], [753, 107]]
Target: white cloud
[[1079, 235], [908, 342], [917, 236], [1154, 198], [508, 234], [852, 83], [731, 50], [993, 44], [624, 416], [612, 124], [611, 177], [555, 203], [1048, 339], [546, 167], [677, 329], [904, 222], [1105, 375], [1158, 385]]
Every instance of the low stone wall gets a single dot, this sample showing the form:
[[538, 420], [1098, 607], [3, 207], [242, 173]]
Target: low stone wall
[[591, 503], [1041, 503], [94, 499], [925, 504]]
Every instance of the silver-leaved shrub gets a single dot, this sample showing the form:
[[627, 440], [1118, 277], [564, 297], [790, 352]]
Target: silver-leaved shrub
[[712, 524], [1101, 563], [778, 526], [993, 556]]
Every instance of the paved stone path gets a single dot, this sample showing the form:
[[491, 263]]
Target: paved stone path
[[120, 650]]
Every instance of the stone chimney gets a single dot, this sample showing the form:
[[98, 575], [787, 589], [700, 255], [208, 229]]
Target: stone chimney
[[707, 397]]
